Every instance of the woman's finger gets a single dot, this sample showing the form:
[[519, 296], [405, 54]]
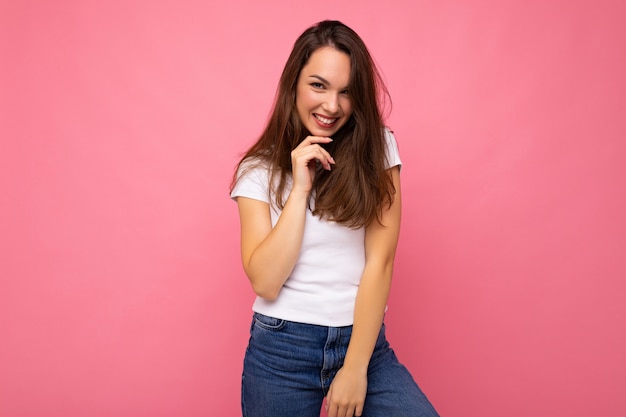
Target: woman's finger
[[314, 139]]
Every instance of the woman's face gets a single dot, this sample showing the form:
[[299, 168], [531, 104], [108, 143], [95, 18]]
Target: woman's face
[[322, 97]]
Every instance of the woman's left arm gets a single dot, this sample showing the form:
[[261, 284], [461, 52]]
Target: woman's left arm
[[347, 392]]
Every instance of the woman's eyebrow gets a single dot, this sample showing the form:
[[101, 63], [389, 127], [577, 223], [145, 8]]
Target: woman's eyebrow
[[322, 79]]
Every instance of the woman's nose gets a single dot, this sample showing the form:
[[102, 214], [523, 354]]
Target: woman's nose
[[331, 103]]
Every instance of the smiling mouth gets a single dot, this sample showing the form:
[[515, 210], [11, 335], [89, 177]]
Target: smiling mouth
[[325, 121]]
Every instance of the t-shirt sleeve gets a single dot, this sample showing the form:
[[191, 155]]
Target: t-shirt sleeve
[[252, 182], [393, 154]]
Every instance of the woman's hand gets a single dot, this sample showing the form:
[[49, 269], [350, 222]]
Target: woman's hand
[[346, 395], [304, 159]]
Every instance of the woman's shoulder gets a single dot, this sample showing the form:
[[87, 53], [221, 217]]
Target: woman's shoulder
[[254, 162], [389, 134], [393, 152], [252, 179]]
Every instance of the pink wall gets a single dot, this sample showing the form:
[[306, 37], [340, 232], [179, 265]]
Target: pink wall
[[121, 292]]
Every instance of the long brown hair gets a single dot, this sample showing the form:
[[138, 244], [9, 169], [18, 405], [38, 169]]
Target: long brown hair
[[357, 189]]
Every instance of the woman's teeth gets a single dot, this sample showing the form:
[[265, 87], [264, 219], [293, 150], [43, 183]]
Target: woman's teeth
[[324, 119]]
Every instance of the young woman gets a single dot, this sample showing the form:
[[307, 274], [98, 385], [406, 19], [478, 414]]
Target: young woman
[[319, 204]]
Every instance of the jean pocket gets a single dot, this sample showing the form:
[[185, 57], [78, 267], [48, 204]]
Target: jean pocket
[[267, 322]]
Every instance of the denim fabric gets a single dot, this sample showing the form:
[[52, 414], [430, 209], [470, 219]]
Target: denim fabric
[[289, 367]]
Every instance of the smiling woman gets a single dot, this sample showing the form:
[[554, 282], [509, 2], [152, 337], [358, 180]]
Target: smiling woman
[[322, 98], [319, 205]]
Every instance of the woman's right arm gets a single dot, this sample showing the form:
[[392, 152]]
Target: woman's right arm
[[270, 254]]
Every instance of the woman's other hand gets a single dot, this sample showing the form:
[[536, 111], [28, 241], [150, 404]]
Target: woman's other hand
[[346, 395]]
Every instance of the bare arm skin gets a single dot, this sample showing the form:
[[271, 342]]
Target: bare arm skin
[[270, 254], [347, 391]]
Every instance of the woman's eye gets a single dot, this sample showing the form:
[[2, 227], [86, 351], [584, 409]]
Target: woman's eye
[[345, 92], [317, 85]]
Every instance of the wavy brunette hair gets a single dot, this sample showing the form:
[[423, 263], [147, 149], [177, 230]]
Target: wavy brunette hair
[[357, 189]]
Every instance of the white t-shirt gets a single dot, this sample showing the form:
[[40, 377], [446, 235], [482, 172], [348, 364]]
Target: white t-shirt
[[323, 284]]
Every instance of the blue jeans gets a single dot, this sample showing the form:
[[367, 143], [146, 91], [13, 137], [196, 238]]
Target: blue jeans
[[289, 367]]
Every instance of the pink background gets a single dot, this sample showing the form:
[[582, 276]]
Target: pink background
[[121, 291]]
